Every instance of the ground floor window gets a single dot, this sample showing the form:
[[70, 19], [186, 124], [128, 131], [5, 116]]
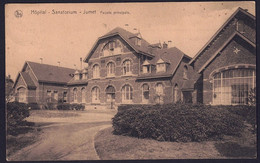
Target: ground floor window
[[75, 92], [127, 93], [48, 96], [21, 94], [83, 95], [65, 97], [95, 94], [232, 87], [159, 93], [55, 95], [145, 93]]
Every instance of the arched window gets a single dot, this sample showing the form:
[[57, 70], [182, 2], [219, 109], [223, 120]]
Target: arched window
[[95, 94], [127, 93], [159, 93], [75, 97], [176, 89], [185, 72], [110, 69], [21, 94], [112, 48], [231, 87], [145, 93], [126, 67], [96, 71], [83, 95]]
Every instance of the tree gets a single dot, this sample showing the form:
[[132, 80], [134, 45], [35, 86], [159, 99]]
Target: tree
[[9, 91]]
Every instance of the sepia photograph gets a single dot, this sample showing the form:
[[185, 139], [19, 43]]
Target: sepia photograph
[[130, 81]]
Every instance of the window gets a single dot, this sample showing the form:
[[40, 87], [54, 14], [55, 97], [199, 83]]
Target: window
[[55, 95], [83, 95], [21, 94], [126, 67], [176, 89], [185, 72], [146, 69], [75, 99], [95, 94], [145, 93], [159, 93], [138, 41], [65, 97], [110, 69], [127, 93], [231, 87], [96, 71], [48, 96], [161, 67], [240, 26], [112, 48]]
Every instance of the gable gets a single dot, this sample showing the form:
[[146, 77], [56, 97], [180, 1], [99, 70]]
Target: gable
[[225, 31]]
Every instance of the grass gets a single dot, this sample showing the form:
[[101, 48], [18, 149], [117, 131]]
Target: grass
[[118, 147], [23, 136]]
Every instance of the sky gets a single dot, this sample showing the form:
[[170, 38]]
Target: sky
[[65, 38]]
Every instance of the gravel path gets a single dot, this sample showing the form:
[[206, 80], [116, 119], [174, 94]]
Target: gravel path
[[70, 140]]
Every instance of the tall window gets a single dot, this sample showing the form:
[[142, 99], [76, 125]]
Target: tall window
[[95, 94], [176, 88], [83, 95], [159, 93], [55, 95], [48, 96], [96, 71], [145, 92], [185, 72], [75, 97], [110, 69], [126, 67], [232, 86], [65, 96], [127, 93], [21, 94]]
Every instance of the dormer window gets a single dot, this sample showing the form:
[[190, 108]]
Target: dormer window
[[147, 67], [138, 41], [84, 74], [77, 75], [161, 65]]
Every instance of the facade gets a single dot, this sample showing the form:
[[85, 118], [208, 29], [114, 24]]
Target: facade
[[41, 83], [123, 68]]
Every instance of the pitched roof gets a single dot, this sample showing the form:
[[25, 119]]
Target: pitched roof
[[126, 36], [51, 74], [171, 55], [28, 80], [239, 10]]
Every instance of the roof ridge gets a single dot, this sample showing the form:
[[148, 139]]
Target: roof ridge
[[48, 65]]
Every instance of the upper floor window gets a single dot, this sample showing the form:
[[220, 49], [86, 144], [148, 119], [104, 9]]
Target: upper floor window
[[95, 94], [146, 69], [127, 93], [161, 67], [110, 69], [112, 48], [126, 67], [240, 26], [185, 72], [96, 71]]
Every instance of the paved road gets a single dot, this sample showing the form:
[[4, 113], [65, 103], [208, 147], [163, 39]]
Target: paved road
[[66, 139]]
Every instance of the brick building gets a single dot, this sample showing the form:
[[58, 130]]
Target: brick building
[[123, 68]]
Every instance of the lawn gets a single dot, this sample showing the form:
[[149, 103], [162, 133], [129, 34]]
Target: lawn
[[117, 147]]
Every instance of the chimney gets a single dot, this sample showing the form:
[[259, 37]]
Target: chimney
[[165, 46], [58, 63], [80, 63]]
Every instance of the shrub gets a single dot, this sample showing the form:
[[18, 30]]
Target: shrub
[[176, 122], [70, 107], [16, 113], [33, 106]]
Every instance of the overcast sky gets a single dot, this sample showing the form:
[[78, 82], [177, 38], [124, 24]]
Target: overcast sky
[[65, 38]]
